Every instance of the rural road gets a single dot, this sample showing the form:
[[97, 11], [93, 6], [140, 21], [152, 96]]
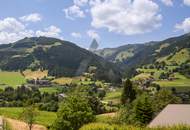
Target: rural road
[[1, 123], [19, 125]]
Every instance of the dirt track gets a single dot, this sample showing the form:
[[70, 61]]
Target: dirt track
[[19, 125]]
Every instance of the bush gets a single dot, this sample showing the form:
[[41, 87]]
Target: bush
[[73, 113]]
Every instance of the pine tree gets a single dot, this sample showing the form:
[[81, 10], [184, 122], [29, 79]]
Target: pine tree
[[143, 110], [128, 94]]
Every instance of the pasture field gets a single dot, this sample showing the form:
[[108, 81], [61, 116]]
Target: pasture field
[[142, 76], [49, 89], [178, 83], [68, 80], [63, 80], [113, 96], [28, 74], [42, 118], [105, 118], [148, 71], [11, 79]]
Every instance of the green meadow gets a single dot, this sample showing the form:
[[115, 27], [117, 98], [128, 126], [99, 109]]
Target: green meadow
[[113, 96], [42, 118], [11, 79], [49, 89]]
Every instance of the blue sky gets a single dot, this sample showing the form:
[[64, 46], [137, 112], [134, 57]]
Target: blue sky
[[111, 22]]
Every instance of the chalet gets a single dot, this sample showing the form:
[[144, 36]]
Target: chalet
[[172, 115]]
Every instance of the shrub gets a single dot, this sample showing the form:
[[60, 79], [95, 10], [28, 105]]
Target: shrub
[[73, 113]]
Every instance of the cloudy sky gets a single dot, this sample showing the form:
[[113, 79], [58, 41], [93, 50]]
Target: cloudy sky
[[111, 22]]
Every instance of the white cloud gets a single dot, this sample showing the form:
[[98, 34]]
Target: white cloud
[[76, 35], [185, 25], [11, 25], [51, 31], [9, 37], [186, 2], [168, 2], [12, 30], [80, 2], [35, 17], [74, 12], [126, 16], [94, 2], [93, 34]]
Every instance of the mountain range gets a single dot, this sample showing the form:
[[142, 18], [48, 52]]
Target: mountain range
[[63, 58], [136, 55], [60, 58]]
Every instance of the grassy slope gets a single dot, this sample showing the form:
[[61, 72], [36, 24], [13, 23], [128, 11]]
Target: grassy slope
[[35, 74], [180, 57], [102, 126], [49, 89], [11, 78], [181, 82], [43, 118], [63, 80], [113, 96]]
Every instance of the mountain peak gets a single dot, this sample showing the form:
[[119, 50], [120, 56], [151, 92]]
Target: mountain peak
[[94, 45]]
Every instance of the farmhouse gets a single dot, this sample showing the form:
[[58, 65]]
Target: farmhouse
[[173, 114]]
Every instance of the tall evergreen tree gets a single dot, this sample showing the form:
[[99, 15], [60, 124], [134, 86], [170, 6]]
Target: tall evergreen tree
[[128, 94], [143, 110]]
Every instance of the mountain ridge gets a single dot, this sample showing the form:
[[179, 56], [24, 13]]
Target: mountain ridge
[[60, 58], [136, 55]]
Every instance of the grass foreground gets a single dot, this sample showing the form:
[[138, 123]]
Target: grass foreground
[[43, 117], [103, 126]]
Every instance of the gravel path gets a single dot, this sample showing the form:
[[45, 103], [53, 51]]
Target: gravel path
[[19, 125], [1, 123]]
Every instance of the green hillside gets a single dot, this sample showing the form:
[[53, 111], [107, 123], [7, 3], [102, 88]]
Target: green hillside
[[59, 58], [173, 51]]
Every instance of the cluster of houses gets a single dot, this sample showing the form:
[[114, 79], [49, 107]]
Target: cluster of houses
[[39, 82]]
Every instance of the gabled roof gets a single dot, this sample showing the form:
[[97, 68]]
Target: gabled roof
[[173, 114]]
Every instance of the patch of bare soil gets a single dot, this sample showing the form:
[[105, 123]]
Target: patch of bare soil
[[20, 125], [112, 114]]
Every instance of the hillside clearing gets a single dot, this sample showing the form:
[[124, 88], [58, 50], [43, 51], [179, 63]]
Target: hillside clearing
[[174, 83], [63, 80], [35, 74]]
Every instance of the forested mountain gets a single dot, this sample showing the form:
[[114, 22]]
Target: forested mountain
[[172, 51], [60, 58]]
